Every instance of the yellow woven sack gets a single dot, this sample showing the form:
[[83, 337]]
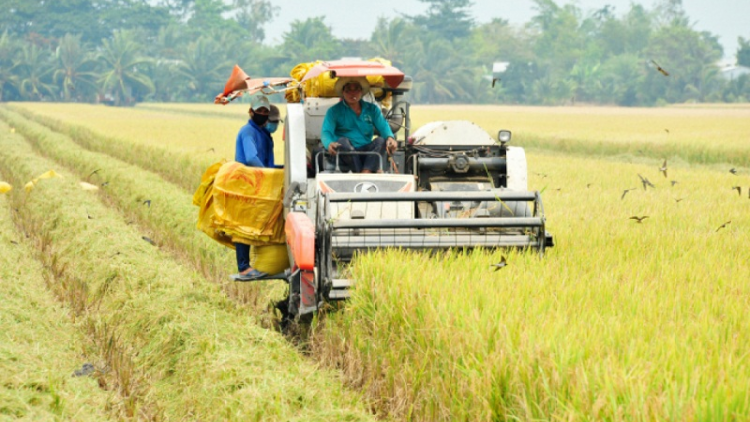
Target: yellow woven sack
[[247, 202], [298, 72], [378, 82], [323, 85], [271, 259], [203, 198], [241, 204]]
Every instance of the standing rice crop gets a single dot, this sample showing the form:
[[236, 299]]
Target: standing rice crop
[[619, 321]]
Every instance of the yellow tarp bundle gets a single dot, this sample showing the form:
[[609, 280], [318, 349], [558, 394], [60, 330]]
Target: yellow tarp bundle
[[241, 204], [323, 85]]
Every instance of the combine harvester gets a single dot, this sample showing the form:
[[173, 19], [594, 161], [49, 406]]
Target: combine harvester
[[448, 185]]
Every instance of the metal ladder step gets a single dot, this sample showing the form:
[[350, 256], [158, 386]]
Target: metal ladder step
[[339, 295], [340, 288], [342, 283]]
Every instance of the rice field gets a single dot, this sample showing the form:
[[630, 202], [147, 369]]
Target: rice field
[[619, 321]]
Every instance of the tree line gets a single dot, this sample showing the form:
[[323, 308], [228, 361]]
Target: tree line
[[128, 51]]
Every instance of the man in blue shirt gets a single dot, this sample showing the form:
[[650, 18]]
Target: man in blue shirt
[[349, 126], [254, 148], [254, 145]]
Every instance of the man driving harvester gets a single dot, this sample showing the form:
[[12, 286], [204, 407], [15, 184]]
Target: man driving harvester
[[349, 126]]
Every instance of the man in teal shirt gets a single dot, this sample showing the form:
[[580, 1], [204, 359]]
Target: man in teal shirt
[[349, 126]]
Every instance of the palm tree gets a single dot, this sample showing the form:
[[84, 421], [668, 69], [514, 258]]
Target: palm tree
[[120, 57], [76, 69], [8, 79], [441, 77], [393, 40], [205, 67], [309, 40], [34, 70]]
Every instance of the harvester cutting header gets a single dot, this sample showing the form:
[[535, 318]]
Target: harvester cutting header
[[447, 184]]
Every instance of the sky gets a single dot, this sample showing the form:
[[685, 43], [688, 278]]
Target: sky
[[728, 19]]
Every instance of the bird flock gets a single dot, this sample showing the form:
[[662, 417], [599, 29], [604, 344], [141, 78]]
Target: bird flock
[[663, 169], [645, 184]]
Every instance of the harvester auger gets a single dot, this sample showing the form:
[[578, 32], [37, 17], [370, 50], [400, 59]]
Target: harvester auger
[[448, 185]]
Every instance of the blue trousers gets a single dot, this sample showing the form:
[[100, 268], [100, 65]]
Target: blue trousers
[[243, 256], [357, 163]]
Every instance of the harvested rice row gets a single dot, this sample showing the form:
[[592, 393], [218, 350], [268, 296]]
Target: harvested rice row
[[143, 196], [179, 167], [174, 346], [42, 373]]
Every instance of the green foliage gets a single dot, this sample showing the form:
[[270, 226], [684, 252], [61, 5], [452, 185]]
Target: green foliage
[[204, 66], [251, 15], [76, 71], [310, 40], [690, 75], [35, 73], [743, 52], [395, 40], [9, 48], [447, 19], [179, 50], [121, 60]]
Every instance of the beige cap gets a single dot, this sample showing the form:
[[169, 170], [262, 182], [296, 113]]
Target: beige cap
[[343, 81], [260, 102]]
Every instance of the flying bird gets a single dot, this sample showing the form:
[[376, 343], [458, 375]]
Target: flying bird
[[738, 189], [723, 225], [733, 171], [659, 68], [645, 182], [666, 130], [92, 173], [147, 202], [105, 184], [674, 182], [494, 80], [14, 242], [625, 192], [500, 264], [678, 199], [588, 185], [210, 150], [89, 215], [638, 219], [148, 239], [663, 168]]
